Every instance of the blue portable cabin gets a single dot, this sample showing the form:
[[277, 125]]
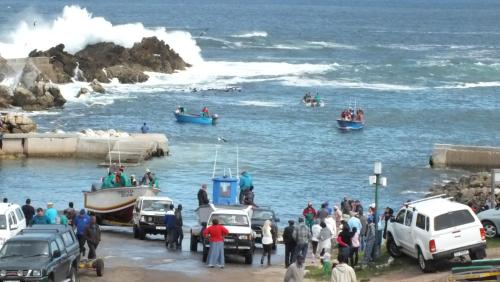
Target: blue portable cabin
[[225, 190]]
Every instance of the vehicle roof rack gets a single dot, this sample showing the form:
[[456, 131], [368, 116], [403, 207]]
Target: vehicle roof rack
[[426, 199]]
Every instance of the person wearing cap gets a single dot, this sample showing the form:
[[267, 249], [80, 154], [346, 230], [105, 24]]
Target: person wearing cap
[[51, 213], [295, 272], [81, 223], [147, 178], [203, 196], [369, 241], [290, 243], [169, 220], [342, 272]]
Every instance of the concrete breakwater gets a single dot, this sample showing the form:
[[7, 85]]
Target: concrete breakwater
[[126, 148], [447, 155]]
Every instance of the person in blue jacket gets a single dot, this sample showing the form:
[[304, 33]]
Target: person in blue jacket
[[40, 217], [81, 223], [171, 230], [245, 184]]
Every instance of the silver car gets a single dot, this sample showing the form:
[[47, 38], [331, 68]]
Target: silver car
[[491, 221]]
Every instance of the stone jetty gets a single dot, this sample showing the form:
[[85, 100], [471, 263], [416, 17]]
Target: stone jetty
[[123, 147], [462, 156]]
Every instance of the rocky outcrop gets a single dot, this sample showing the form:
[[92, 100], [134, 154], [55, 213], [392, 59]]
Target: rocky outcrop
[[41, 96], [105, 61], [14, 123], [474, 189], [5, 97], [63, 63], [97, 87], [84, 91]]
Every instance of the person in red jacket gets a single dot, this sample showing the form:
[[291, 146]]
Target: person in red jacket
[[216, 234]]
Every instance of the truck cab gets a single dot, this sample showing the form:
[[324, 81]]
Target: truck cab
[[149, 216]]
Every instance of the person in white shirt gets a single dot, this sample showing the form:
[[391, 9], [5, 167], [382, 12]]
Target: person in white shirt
[[316, 229]]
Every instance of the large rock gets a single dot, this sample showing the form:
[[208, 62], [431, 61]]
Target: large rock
[[14, 123], [6, 98], [97, 87], [94, 58], [156, 55], [40, 97], [127, 74], [63, 64], [84, 91]]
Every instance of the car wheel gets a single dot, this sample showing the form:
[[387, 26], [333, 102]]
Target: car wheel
[[478, 254], [99, 267], [141, 233], [489, 228], [249, 258], [194, 243], [392, 248], [136, 232], [425, 265], [73, 275], [51, 278]]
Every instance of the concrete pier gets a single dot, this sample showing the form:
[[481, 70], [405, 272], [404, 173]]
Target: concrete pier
[[128, 148], [463, 156]]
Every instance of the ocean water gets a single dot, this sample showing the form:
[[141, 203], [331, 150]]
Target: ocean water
[[424, 71]]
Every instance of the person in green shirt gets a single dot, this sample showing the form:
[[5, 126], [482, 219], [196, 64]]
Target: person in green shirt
[[108, 181], [63, 219]]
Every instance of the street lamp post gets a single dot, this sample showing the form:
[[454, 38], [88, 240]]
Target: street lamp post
[[377, 180]]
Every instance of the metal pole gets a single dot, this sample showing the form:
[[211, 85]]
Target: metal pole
[[493, 184], [377, 241]]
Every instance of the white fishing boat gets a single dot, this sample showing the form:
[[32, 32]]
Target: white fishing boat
[[115, 205]]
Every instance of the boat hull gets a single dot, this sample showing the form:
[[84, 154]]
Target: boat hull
[[314, 104], [116, 204], [197, 119], [350, 124]]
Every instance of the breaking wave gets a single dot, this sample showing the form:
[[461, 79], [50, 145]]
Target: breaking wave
[[75, 27], [251, 34]]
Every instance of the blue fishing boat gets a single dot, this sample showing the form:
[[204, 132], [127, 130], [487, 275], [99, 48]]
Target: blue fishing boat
[[350, 124], [350, 120], [194, 118]]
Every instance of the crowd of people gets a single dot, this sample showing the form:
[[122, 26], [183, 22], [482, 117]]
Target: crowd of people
[[351, 115], [118, 178], [86, 228], [347, 227]]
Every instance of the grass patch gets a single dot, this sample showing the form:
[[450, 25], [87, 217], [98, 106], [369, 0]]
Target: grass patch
[[493, 242]]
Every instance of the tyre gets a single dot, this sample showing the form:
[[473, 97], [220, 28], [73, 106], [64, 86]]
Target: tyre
[[392, 248], [194, 243], [249, 258], [99, 267], [141, 233], [489, 228], [73, 275], [205, 254], [425, 265], [478, 254], [136, 232]]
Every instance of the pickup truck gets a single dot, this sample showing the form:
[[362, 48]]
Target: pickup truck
[[237, 219], [149, 216], [42, 253]]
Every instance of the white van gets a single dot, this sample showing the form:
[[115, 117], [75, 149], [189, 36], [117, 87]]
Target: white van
[[12, 221], [436, 228]]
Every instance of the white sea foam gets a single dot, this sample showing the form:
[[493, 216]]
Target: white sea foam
[[75, 27], [406, 192], [471, 85], [315, 82], [332, 45], [251, 34], [261, 104]]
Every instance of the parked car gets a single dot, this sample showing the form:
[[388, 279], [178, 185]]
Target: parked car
[[259, 216], [435, 228], [41, 253], [149, 216], [237, 219], [491, 221], [12, 221]]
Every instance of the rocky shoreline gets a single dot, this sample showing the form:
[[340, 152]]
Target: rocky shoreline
[[35, 87], [473, 189]]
